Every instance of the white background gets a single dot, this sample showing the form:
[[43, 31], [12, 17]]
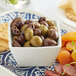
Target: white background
[[46, 7]]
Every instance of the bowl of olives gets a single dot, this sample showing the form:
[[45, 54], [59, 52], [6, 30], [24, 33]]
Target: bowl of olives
[[34, 42]]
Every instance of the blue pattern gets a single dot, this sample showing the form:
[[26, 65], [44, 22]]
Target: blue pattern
[[7, 59]]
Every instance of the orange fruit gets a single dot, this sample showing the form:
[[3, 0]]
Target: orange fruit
[[70, 36], [63, 44], [64, 57], [70, 46], [74, 55], [62, 49]]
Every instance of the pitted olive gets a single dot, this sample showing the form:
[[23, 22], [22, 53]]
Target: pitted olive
[[53, 34], [28, 22], [31, 26], [36, 41], [15, 44], [15, 31], [28, 33], [27, 44], [23, 27], [15, 21], [20, 24], [36, 24], [21, 38], [44, 29], [44, 23], [53, 27], [37, 32], [42, 19], [49, 42], [50, 23]]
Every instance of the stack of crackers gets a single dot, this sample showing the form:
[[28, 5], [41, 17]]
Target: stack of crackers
[[4, 43]]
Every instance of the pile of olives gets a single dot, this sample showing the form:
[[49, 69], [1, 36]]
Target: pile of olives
[[34, 33]]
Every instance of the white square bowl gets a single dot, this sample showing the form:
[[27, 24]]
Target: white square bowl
[[35, 56]]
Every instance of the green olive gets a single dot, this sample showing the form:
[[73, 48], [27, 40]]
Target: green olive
[[28, 33], [27, 44], [53, 27], [23, 27], [50, 23], [36, 41], [44, 29], [36, 24]]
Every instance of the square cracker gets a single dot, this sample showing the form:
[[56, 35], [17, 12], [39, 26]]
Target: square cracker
[[4, 32], [4, 44]]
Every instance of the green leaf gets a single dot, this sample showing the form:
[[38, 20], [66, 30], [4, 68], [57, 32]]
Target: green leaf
[[73, 43], [67, 64], [63, 74], [72, 50], [13, 2]]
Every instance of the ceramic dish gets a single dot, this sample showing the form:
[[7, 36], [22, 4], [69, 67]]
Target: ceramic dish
[[63, 19], [33, 56], [5, 72]]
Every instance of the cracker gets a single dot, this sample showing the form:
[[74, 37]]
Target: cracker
[[70, 14], [2, 49], [4, 43], [4, 32], [69, 11], [67, 5]]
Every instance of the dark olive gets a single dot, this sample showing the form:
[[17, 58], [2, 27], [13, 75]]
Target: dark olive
[[21, 38], [15, 31], [42, 19], [49, 42], [15, 21], [44, 23], [20, 24], [37, 32], [31, 26], [53, 34], [28, 22], [13, 27], [15, 44]]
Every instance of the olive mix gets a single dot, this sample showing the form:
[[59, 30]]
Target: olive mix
[[34, 33]]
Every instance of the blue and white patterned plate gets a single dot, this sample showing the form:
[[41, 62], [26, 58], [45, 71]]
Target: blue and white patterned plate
[[7, 59]]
